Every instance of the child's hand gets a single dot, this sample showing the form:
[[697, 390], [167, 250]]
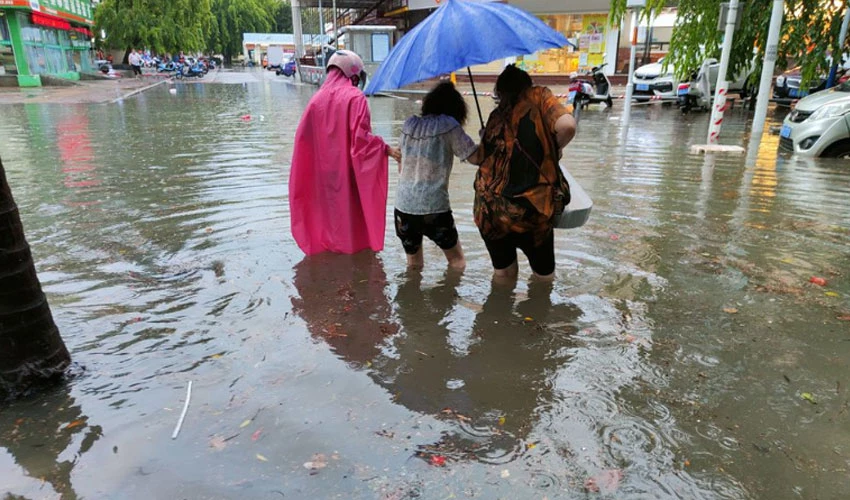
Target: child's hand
[[395, 154]]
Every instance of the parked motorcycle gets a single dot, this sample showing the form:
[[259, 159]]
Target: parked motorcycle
[[593, 91]]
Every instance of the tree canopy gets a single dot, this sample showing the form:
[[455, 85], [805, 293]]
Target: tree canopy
[[232, 18], [190, 25], [810, 32], [160, 25]]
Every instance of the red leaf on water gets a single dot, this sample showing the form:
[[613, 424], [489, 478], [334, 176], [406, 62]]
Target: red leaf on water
[[606, 481], [75, 423], [256, 435], [438, 460], [817, 281]]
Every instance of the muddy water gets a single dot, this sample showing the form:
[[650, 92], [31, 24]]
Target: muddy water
[[672, 358]]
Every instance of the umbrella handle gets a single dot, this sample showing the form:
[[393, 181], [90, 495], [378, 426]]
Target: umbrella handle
[[475, 94]]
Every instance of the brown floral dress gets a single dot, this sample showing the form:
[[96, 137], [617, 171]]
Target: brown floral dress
[[515, 188]]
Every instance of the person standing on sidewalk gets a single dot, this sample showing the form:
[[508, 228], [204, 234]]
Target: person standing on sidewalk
[[135, 62]]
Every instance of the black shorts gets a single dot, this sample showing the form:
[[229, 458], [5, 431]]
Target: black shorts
[[541, 257], [439, 228]]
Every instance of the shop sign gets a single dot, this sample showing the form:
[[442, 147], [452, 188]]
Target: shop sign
[[78, 11], [74, 10], [50, 21], [14, 3]]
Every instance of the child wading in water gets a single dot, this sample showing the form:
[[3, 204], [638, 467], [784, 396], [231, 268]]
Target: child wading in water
[[429, 144]]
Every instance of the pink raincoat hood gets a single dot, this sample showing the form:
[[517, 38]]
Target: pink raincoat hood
[[338, 180]]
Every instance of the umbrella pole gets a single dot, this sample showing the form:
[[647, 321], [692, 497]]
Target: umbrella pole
[[475, 94]]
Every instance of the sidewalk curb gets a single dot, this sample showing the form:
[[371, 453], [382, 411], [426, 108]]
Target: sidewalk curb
[[138, 91]]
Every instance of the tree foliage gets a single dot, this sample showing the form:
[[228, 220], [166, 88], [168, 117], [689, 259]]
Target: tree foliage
[[159, 25], [810, 32], [232, 18], [189, 25]]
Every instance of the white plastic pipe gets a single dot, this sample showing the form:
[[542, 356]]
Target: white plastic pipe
[[627, 110], [722, 83], [767, 68]]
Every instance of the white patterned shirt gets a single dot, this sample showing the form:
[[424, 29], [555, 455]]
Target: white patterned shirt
[[428, 147]]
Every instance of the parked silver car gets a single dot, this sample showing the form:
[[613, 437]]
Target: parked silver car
[[819, 125]]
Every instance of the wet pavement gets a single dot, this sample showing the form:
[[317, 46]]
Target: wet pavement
[[681, 353]]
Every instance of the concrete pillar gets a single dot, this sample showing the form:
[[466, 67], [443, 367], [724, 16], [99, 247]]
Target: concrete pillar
[[296, 29]]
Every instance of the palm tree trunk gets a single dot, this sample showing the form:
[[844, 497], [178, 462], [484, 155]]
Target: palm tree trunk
[[31, 349]]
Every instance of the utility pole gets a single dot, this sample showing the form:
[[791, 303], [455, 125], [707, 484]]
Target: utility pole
[[837, 60], [722, 82], [632, 5], [767, 68]]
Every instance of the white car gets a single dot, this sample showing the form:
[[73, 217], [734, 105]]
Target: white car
[[819, 125], [654, 80]]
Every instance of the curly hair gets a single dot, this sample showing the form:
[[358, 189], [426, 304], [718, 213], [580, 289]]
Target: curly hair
[[444, 99]]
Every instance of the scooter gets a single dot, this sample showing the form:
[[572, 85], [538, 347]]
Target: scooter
[[168, 67], [195, 70], [595, 91], [696, 94], [288, 69]]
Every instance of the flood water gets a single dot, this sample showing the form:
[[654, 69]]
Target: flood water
[[681, 353]]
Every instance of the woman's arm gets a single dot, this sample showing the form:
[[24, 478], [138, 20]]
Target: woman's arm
[[565, 129]]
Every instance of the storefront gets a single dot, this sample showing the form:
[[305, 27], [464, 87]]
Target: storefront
[[592, 40], [46, 37]]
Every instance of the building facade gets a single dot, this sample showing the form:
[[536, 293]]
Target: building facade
[[595, 37], [45, 37]]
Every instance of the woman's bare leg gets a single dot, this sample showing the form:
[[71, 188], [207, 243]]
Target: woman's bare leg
[[548, 277], [507, 274], [455, 257]]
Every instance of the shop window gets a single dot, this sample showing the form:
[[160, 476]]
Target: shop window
[[380, 46], [50, 36], [36, 58], [29, 32], [588, 32], [56, 62], [69, 60], [4, 30]]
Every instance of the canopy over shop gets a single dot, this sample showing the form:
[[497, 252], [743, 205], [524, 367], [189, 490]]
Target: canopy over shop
[[46, 37]]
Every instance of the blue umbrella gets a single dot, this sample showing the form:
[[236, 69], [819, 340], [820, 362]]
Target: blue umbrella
[[462, 33]]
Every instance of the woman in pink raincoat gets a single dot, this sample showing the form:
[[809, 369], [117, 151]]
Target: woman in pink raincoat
[[338, 180]]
